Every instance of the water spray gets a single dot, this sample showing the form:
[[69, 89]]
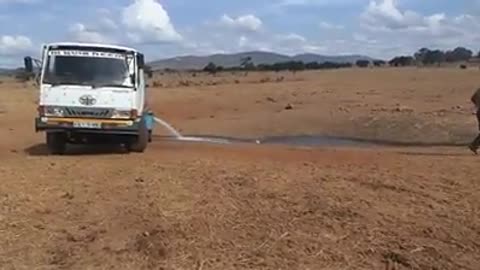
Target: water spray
[[169, 127], [180, 137]]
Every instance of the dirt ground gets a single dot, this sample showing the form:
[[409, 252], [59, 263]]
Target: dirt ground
[[204, 206]]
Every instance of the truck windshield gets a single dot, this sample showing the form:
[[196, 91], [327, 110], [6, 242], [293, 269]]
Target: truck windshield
[[88, 70]]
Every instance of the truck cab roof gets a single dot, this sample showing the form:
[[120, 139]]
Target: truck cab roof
[[90, 45]]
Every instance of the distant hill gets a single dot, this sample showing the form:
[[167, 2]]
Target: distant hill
[[258, 57], [309, 57], [4, 71]]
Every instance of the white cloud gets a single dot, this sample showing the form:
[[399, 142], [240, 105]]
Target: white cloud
[[384, 24], [330, 26], [244, 23], [199, 47], [79, 32], [231, 38], [363, 38], [242, 41], [320, 3], [147, 21], [249, 44], [13, 45], [313, 48], [292, 37], [20, 1], [293, 43], [107, 24], [380, 28], [385, 14]]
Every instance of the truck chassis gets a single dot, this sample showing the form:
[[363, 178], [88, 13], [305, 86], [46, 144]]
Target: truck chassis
[[133, 135]]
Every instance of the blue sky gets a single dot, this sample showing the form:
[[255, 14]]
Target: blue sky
[[166, 28]]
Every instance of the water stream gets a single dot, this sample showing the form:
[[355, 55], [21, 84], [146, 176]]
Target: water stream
[[180, 137], [168, 127]]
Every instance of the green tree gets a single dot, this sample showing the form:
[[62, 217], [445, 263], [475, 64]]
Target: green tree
[[210, 68], [430, 57], [148, 71], [458, 54], [421, 54], [434, 57], [363, 63], [401, 61], [379, 63], [247, 64]]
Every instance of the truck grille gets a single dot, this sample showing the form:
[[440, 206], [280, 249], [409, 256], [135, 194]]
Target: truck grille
[[88, 112]]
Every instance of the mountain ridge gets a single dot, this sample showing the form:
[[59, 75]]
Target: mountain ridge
[[234, 59], [258, 57]]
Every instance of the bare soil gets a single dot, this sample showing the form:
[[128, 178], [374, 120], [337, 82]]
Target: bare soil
[[203, 206]]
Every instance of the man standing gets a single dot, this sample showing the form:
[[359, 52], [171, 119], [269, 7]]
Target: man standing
[[476, 101]]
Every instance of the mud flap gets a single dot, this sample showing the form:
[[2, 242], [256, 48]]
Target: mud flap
[[149, 122]]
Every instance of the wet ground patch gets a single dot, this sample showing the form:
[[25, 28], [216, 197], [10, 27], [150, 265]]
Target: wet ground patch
[[311, 141]]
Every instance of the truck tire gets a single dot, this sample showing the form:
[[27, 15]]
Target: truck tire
[[56, 143], [139, 144]]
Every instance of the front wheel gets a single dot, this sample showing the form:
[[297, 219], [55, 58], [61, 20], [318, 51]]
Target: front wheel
[[140, 142], [56, 143]]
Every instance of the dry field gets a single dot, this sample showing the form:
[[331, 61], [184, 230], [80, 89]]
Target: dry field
[[204, 206]]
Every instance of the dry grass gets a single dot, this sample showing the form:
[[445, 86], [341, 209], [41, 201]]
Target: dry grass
[[421, 105], [190, 206]]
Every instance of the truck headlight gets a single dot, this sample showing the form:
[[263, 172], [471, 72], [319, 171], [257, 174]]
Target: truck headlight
[[53, 111], [122, 114]]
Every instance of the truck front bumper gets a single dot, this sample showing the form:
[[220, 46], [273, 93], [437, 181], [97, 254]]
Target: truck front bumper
[[87, 125]]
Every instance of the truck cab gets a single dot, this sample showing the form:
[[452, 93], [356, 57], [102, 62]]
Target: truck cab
[[92, 93]]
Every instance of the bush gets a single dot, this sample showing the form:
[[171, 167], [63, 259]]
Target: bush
[[379, 63], [265, 80], [402, 61], [363, 63], [22, 77]]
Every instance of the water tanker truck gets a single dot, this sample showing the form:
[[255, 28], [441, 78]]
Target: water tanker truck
[[91, 94]]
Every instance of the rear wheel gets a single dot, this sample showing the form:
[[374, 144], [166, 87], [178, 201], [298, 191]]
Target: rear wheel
[[56, 143], [140, 142]]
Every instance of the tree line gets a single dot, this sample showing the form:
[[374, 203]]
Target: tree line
[[424, 56], [428, 57], [281, 66]]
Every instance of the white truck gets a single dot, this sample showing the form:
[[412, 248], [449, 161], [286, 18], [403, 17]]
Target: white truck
[[92, 93]]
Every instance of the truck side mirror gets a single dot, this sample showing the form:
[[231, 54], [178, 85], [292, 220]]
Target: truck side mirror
[[28, 61], [140, 61]]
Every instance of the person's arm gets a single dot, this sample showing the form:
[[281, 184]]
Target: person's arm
[[475, 97]]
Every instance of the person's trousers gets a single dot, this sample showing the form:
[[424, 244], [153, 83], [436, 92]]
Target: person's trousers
[[476, 141]]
